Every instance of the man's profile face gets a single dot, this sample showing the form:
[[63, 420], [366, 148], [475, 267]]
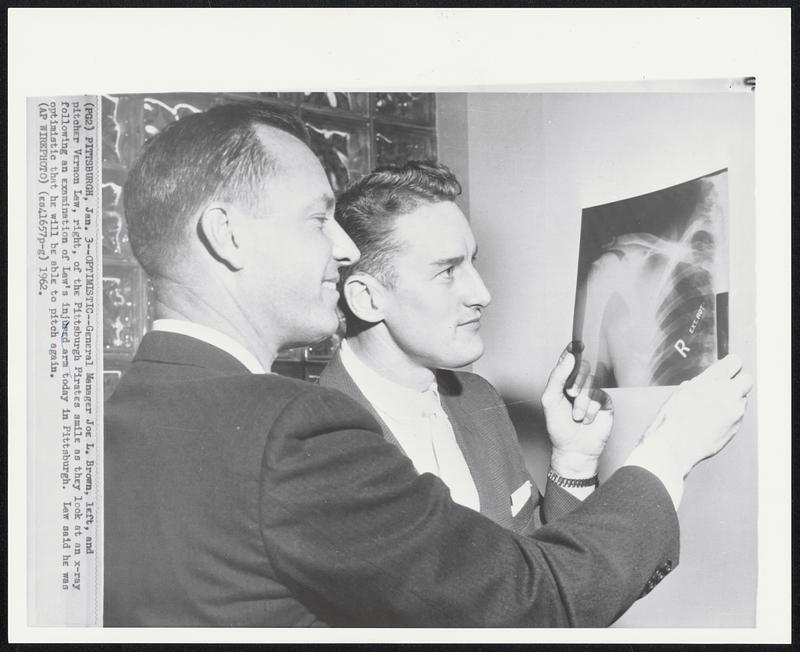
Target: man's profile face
[[434, 307], [294, 247]]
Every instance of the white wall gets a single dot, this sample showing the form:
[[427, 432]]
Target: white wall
[[533, 162]]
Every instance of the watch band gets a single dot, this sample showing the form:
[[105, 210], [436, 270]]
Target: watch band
[[594, 481]]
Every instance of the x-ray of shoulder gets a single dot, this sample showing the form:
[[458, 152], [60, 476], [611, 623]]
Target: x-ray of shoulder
[[651, 304]]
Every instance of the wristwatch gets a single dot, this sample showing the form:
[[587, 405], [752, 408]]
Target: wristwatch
[[569, 483]]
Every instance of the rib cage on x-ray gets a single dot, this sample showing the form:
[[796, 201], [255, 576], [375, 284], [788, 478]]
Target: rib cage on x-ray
[[684, 289], [647, 311], [690, 291]]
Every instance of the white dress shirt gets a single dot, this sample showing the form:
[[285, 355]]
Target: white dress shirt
[[648, 456], [213, 337], [420, 425]]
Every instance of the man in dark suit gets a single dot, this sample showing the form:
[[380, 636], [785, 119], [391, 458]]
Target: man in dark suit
[[237, 497], [412, 305]]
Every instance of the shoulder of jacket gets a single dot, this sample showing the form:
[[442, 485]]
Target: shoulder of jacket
[[470, 381], [316, 402]]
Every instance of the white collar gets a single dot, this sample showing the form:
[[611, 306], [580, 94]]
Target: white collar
[[386, 395], [213, 337]]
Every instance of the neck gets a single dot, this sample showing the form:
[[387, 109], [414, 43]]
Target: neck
[[376, 349], [219, 311]]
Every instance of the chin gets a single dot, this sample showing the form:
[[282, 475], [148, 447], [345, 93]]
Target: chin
[[463, 358], [321, 334], [328, 325], [316, 330]]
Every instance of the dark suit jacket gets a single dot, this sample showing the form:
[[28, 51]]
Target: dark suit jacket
[[487, 439], [257, 500]]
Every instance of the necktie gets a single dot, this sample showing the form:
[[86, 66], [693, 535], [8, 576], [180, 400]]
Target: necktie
[[452, 467]]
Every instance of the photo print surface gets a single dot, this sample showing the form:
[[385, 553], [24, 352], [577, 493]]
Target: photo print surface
[[651, 304]]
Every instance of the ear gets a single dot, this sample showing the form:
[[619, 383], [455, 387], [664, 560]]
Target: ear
[[217, 230], [365, 297]]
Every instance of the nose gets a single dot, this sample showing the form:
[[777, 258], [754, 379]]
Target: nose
[[479, 293], [344, 250]]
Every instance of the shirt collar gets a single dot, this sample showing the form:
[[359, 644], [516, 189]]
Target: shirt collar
[[385, 395], [213, 337]]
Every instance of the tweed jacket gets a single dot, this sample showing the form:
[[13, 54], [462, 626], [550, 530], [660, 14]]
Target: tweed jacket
[[488, 440]]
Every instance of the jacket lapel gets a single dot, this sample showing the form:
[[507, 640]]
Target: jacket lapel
[[335, 375], [475, 443], [476, 446]]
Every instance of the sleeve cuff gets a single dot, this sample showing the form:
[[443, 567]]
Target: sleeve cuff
[[646, 456]]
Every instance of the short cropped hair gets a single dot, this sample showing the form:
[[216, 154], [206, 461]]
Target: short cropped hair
[[368, 209], [211, 156]]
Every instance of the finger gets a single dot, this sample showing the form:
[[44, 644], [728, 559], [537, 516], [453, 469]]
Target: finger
[[555, 383], [724, 369], [743, 383], [591, 412], [742, 408], [575, 347], [580, 379], [737, 417], [731, 433], [580, 406], [602, 398]]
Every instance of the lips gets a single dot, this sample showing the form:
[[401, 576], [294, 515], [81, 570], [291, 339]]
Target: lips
[[472, 322]]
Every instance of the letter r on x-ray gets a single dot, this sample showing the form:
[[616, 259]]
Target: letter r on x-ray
[[680, 347]]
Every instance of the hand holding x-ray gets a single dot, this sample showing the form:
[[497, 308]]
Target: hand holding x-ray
[[703, 414], [578, 416]]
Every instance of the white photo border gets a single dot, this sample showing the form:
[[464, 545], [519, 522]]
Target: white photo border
[[97, 51]]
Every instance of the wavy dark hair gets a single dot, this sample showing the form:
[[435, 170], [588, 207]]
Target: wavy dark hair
[[368, 210]]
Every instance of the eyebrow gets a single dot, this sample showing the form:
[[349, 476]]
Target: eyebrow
[[447, 262], [326, 201], [455, 260]]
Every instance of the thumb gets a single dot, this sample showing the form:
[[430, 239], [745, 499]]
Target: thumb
[[554, 389]]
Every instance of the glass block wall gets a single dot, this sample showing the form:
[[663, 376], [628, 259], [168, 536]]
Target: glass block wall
[[351, 133]]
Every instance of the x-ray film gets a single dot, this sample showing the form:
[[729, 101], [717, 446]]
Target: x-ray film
[[651, 305]]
